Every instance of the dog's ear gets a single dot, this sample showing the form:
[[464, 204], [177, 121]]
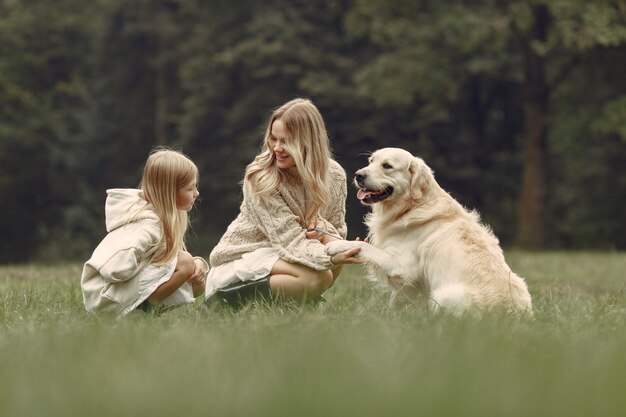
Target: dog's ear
[[420, 177]]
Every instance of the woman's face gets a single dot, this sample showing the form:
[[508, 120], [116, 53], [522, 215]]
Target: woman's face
[[278, 137]]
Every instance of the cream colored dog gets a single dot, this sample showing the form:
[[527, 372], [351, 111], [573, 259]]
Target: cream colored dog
[[424, 244]]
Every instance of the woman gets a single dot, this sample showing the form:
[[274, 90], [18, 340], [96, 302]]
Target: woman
[[294, 197]]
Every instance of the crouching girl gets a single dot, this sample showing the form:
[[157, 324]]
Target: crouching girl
[[142, 262]]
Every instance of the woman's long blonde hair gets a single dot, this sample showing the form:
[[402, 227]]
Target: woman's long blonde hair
[[165, 172], [308, 146]]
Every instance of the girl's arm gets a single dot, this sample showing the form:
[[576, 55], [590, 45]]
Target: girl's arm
[[123, 252], [198, 278]]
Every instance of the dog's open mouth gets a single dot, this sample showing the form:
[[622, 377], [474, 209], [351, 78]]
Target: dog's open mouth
[[371, 196]]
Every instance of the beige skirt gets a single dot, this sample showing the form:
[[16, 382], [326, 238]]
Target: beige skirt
[[251, 267]]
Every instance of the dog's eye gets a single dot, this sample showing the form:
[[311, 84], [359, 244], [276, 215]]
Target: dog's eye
[[387, 165]]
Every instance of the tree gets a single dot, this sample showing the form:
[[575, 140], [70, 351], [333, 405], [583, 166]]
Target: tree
[[518, 106], [42, 94], [534, 44], [553, 42], [247, 60]]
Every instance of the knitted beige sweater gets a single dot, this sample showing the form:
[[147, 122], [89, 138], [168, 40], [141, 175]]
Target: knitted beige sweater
[[279, 223]]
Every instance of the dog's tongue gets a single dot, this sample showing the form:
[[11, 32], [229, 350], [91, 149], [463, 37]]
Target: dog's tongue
[[363, 194]]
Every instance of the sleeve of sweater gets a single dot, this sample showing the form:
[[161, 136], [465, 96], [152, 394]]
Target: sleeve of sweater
[[335, 214], [286, 234]]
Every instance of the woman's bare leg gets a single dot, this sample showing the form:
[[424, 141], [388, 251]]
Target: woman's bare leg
[[298, 281]]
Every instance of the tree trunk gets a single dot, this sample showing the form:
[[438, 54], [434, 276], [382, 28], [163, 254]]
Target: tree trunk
[[530, 227]]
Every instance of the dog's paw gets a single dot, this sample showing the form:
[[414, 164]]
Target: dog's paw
[[338, 246]]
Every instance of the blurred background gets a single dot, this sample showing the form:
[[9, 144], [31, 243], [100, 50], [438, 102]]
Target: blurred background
[[518, 106]]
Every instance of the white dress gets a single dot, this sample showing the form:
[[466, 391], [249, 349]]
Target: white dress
[[250, 267]]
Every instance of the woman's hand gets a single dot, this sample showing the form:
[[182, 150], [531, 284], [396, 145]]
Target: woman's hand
[[347, 257], [318, 230]]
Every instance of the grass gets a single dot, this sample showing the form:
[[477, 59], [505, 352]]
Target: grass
[[351, 357]]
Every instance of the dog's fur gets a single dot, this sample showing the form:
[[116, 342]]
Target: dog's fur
[[424, 244]]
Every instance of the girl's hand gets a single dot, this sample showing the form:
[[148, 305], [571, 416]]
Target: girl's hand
[[198, 278]]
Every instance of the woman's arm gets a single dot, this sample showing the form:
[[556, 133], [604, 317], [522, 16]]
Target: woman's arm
[[335, 214], [286, 234]]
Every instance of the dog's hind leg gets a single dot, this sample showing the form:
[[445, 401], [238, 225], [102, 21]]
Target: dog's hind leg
[[454, 299], [402, 297]]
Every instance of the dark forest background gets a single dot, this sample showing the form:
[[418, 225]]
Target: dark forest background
[[519, 106]]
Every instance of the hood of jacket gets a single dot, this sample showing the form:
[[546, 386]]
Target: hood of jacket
[[126, 205]]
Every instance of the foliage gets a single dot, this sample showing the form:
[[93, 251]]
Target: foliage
[[87, 90], [452, 50], [43, 97]]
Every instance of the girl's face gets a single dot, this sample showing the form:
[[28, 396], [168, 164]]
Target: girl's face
[[186, 196], [278, 137]]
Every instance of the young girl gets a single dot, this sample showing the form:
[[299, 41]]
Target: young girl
[[294, 197], [142, 261]]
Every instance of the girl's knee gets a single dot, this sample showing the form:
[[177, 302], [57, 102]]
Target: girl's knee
[[185, 264]]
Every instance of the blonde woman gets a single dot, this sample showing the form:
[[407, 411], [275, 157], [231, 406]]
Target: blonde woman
[[142, 262], [294, 197]]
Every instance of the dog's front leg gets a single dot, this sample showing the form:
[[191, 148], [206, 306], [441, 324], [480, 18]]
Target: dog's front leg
[[371, 255]]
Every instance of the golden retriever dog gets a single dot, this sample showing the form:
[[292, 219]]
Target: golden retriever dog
[[423, 244]]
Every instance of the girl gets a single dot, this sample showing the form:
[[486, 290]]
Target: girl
[[142, 261], [294, 197]]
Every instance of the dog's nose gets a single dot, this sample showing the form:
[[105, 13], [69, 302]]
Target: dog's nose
[[358, 177]]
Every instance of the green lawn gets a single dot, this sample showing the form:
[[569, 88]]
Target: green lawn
[[351, 357]]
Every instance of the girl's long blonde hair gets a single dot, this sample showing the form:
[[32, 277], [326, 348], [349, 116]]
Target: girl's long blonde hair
[[165, 172], [308, 146]]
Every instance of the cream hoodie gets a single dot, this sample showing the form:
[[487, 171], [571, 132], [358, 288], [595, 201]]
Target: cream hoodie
[[118, 276]]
